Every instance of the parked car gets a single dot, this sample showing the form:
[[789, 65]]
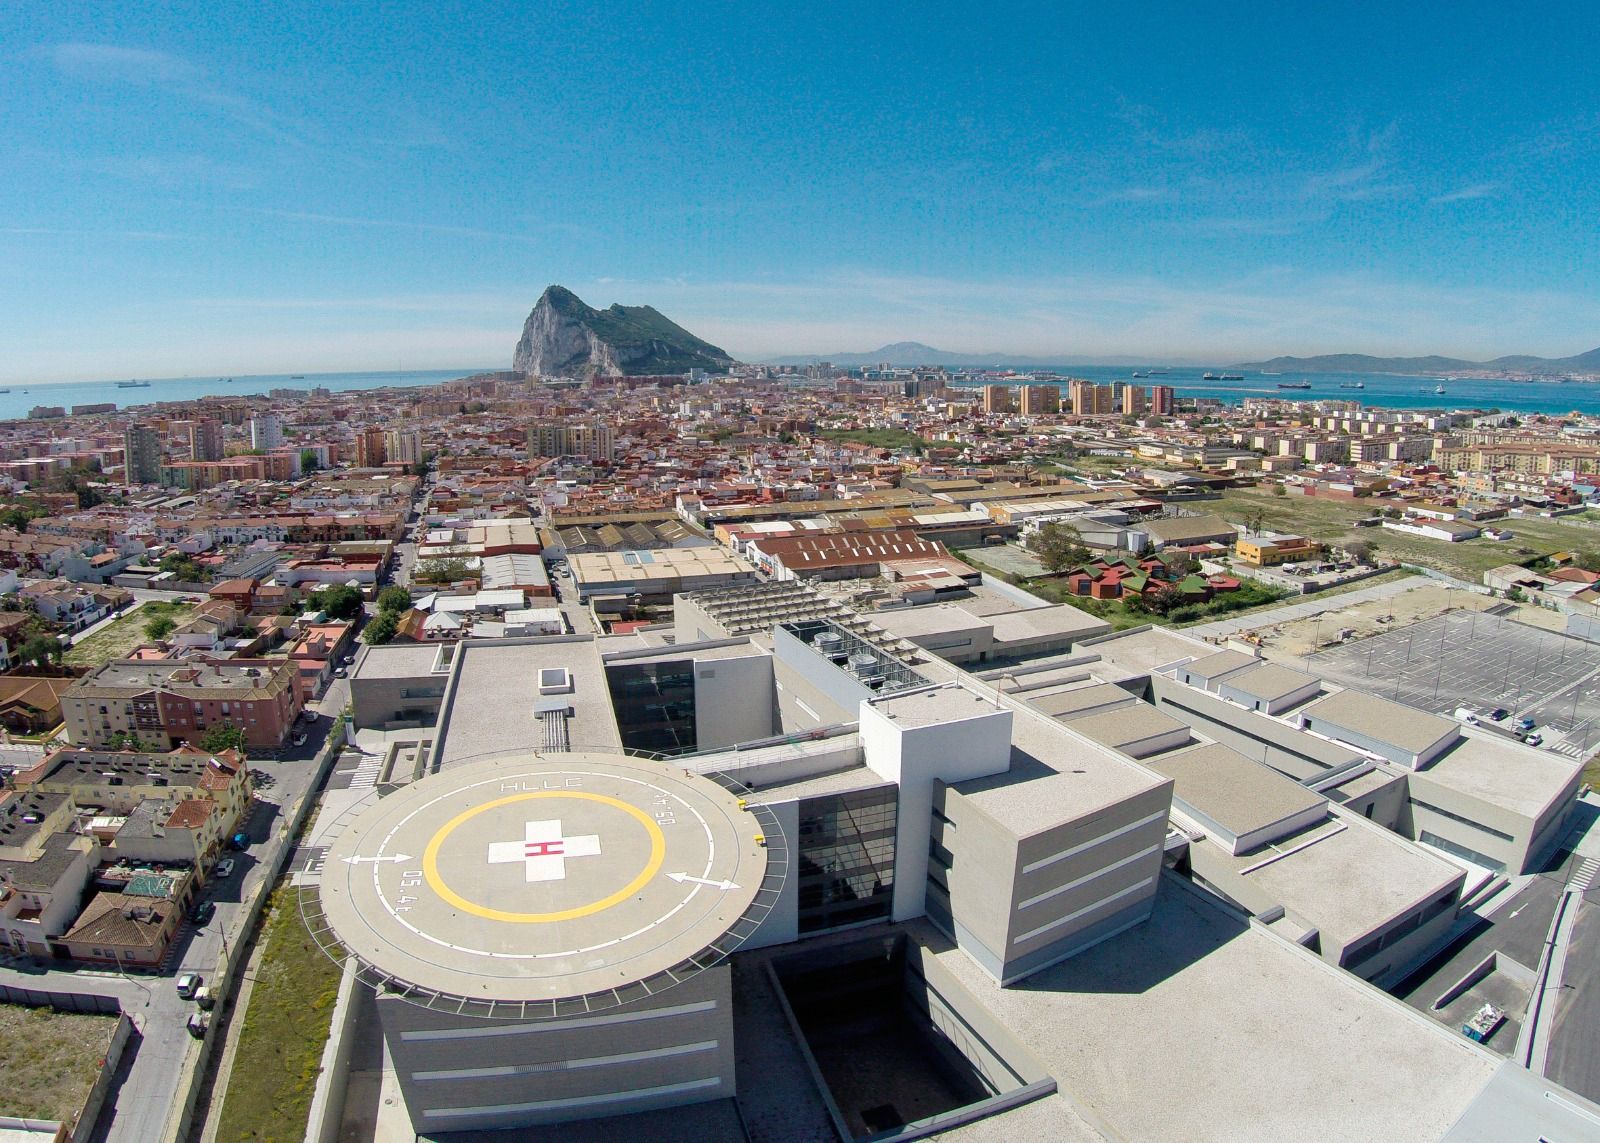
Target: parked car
[[189, 983], [239, 841], [1499, 713], [203, 997], [1533, 739], [202, 912], [299, 740], [197, 1024], [224, 868], [1525, 723]]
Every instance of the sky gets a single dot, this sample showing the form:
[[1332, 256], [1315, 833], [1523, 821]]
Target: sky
[[229, 188]]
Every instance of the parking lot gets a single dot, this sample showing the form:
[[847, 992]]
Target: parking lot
[[1481, 661]]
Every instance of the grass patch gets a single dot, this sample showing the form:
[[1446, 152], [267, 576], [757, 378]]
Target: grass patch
[[1117, 613], [49, 1060], [1333, 521], [877, 438], [280, 1046], [116, 640]]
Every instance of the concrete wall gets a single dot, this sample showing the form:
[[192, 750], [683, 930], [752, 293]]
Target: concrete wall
[[916, 757], [1286, 749], [458, 1073], [1510, 839], [733, 701], [782, 924]]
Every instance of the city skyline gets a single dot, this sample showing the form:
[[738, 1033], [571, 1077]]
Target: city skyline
[[187, 193]]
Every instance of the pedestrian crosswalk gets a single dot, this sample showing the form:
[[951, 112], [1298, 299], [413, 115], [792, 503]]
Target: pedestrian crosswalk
[[1570, 749], [1584, 877], [366, 774]]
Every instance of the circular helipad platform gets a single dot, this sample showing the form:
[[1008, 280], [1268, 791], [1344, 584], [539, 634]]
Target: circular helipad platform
[[566, 877]]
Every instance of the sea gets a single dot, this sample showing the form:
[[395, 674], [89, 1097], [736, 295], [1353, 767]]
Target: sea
[[1382, 390], [20, 397]]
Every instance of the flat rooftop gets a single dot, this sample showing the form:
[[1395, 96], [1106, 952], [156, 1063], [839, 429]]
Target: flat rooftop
[[1350, 877], [1066, 704], [1238, 794], [1256, 1038], [1046, 622], [1220, 663], [395, 661], [1140, 652], [492, 705], [1051, 769], [1520, 778], [1405, 727], [528, 882], [937, 704], [1269, 682], [1128, 726]]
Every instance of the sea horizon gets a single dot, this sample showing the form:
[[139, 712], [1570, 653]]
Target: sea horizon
[[1377, 390]]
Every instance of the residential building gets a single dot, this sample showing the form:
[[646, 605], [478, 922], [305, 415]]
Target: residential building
[[266, 432], [141, 454], [205, 439], [163, 704]]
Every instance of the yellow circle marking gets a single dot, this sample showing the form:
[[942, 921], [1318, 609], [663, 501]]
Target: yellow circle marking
[[430, 860]]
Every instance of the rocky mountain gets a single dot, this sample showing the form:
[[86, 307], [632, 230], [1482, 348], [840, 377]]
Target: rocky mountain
[[563, 337], [1427, 366]]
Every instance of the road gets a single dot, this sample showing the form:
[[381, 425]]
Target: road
[[141, 1099]]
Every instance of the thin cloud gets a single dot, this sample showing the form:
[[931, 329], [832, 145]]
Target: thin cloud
[[77, 232], [389, 224], [1467, 194], [142, 67]]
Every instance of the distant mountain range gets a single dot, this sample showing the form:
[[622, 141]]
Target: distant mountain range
[[905, 353], [1362, 363]]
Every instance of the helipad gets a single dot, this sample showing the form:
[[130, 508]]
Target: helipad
[[590, 878]]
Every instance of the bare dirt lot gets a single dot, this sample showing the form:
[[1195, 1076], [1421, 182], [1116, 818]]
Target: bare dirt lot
[[49, 1060], [1303, 637]]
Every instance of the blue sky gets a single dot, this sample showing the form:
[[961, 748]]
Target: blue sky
[[237, 188]]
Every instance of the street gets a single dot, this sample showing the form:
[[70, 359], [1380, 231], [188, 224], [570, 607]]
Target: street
[[140, 1102]]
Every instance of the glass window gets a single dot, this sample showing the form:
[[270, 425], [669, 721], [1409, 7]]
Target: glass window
[[845, 861], [655, 706]]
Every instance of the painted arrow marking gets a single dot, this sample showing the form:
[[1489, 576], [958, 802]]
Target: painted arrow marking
[[680, 878], [397, 857]]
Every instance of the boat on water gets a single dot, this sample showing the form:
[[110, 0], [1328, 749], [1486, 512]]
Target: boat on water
[[1352, 384], [1158, 372], [133, 384], [1439, 388], [1211, 377], [1270, 373], [8, 390], [1294, 384], [1231, 377], [1136, 373], [298, 377]]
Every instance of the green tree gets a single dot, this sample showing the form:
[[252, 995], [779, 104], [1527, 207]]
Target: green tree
[[18, 516], [182, 567], [1059, 545], [340, 601], [1588, 559], [441, 571], [129, 741], [223, 736], [41, 650], [382, 629], [396, 599], [308, 460], [158, 627]]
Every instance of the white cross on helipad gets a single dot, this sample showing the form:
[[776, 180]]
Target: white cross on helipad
[[544, 851]]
